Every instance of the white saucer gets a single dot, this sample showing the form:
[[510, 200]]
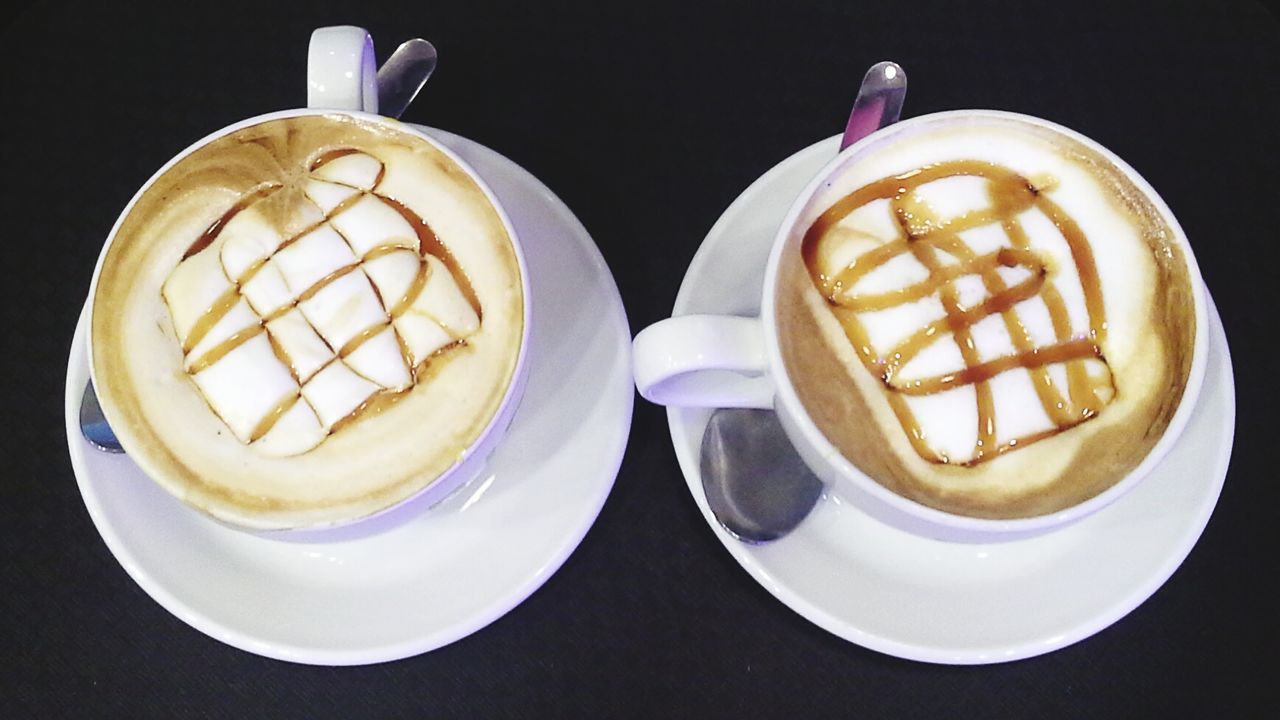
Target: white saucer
[[951, 603], [421, 578]]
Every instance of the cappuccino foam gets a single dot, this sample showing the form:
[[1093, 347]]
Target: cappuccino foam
[[987, 317], [306, 320]]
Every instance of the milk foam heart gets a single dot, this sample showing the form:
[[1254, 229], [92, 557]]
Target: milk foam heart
[[306, 320], [987, 317]]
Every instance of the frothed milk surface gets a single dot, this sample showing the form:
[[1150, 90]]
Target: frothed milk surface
[[986, 316], [306, 320]]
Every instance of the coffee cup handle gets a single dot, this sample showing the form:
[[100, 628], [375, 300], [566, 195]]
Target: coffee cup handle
[[703, 361], [342, 71]]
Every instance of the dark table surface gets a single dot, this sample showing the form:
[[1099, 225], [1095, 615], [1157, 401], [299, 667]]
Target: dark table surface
[[647, 121]]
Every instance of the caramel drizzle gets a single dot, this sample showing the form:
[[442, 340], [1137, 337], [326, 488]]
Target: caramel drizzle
[[211, 233], [428, 244], [926, 237]]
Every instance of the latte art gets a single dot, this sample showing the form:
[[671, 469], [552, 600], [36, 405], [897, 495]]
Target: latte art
[[307, 319], [973, 299], [986, 316], [290, 336]]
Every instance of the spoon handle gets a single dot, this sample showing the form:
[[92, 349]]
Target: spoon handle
[[403, 75], [879, 102]]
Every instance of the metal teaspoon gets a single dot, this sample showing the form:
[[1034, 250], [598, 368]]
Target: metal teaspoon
[[399, 80], [756, 485], [403, 75]]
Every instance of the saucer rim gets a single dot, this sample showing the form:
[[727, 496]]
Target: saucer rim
[[484, 615], [681, 427]]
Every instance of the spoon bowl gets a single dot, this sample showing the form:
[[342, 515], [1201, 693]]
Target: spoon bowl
[[93, 425], [772, 489]]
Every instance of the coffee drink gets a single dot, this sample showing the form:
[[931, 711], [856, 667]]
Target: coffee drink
[[987, 316], [306, 320]]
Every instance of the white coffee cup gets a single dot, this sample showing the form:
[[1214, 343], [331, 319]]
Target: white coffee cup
[[713, 361], [342, 80]]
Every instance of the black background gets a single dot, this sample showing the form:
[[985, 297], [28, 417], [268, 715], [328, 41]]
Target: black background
[[647, 119]]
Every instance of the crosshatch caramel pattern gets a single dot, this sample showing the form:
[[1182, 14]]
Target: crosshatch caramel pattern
[[930, 240], [423, 245]]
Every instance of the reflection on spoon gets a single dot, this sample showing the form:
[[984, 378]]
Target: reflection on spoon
[[756, 485]]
